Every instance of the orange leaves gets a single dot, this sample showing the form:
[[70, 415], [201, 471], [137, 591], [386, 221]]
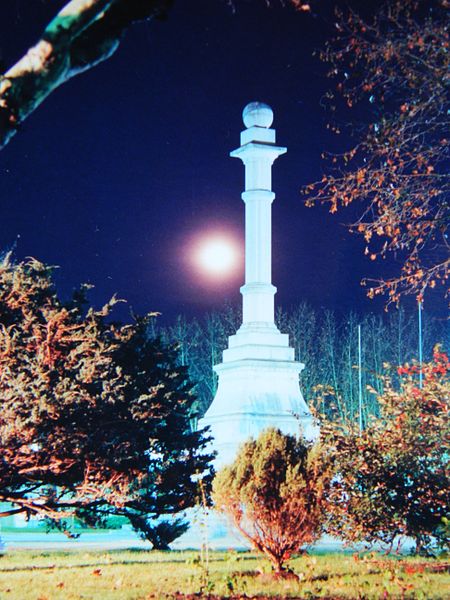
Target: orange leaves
[[360, 176], [393, 474], [439, 367], [379, 179], [301, 5], [410, 568], [396, 168]]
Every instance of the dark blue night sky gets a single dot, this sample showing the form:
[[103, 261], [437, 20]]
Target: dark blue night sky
[[116, 172]]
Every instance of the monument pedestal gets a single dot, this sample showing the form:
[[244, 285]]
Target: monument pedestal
[[258, 388]]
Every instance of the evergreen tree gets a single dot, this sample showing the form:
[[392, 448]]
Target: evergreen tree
[[274, 493], [95, 416]]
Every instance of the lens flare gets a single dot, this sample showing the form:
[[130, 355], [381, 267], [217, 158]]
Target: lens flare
[[217, 256]]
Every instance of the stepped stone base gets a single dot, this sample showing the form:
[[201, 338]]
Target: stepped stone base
[[258, 388]]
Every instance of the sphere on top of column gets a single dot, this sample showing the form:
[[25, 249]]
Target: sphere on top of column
[[257, 114]]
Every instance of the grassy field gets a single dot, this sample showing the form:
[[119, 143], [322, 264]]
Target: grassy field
[[126, 575]]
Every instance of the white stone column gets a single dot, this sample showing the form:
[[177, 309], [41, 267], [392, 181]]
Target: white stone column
[[258, 383], [258, 152]]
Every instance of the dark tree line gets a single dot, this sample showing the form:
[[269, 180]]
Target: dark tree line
[[326, 343]]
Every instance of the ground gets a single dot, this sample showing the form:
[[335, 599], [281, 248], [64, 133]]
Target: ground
[[138, 574]]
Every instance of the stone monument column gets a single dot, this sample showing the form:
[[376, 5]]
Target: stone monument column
[[258, 383], [258, 152]]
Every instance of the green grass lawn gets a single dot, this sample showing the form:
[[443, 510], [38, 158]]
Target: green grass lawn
[[123, 575]]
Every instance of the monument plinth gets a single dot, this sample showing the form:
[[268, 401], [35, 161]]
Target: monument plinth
[[258, 383]]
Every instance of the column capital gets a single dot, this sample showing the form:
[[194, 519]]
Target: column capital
[[258, 150]]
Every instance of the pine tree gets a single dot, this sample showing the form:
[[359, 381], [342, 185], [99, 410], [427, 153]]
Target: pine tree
[[274, 494], [95, 416]]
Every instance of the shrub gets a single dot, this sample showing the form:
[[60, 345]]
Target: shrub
[[274, 493], [393, 478]]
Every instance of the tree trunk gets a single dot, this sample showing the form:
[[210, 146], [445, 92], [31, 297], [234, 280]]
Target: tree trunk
[[277, 563]]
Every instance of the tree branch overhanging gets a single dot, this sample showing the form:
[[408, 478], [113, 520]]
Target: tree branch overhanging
[[83, 34]]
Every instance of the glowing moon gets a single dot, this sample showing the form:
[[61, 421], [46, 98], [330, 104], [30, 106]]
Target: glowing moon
[[217, 256]]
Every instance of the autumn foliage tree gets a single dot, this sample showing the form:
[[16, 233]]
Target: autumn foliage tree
[[95, 415], [394, 67], [274, 494], [393, 476]]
